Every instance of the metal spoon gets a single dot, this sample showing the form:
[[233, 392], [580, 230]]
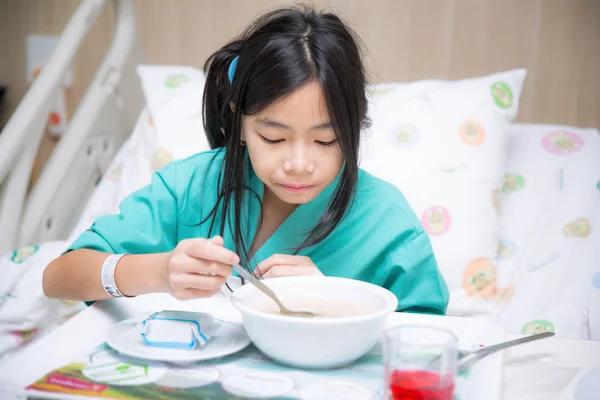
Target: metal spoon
[[467, 359], [263, 288]]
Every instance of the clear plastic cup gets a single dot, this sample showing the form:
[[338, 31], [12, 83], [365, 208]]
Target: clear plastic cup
[[419, 363]]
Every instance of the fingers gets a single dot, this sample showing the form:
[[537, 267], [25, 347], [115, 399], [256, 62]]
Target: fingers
[[212, 250], [184, 264], [284, 270], [217, 240], [199, 268], [283, 259], [182, 282]]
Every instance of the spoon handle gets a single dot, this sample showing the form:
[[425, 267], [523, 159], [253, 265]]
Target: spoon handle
[[510, 343], [475, 356], [248, 276]]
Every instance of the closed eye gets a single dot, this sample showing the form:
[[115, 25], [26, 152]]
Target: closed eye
[[325, 143], [271, 141]]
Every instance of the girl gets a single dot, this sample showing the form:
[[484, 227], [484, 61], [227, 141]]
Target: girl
[[281, 191]]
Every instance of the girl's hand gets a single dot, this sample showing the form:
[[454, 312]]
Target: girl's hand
[[198, 268], [279, 265]]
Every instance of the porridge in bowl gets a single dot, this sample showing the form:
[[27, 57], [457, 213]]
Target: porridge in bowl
[[354, 316], [322, 306]]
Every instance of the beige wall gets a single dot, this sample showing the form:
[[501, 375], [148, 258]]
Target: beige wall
[[558, 41], [19, 18]]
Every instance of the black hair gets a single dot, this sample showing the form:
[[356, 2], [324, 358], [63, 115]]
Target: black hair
[[280, 52]]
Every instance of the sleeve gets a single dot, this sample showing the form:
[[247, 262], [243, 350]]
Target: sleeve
[[414, 277], [146, 223]]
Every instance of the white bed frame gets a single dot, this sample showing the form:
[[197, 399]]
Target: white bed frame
[[104, 118]]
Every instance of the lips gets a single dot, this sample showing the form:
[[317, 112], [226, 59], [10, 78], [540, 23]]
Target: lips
[[293, 188]]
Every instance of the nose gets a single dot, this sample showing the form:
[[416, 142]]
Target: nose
[[299, 161]]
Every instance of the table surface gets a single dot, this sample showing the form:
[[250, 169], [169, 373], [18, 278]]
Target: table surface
[[548, 369]]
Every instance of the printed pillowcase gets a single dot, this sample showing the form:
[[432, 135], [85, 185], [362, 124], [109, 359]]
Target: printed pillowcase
[[443, 144], [174, 99]]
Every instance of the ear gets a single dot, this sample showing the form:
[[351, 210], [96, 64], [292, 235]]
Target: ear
[[232, 106]]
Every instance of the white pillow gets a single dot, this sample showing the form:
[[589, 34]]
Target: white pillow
[[162, 83], [443, 144], [174, 98], [503, 89]]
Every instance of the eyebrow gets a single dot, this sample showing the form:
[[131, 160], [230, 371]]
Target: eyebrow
[[266, 122]]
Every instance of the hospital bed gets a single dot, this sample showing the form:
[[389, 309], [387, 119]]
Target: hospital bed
[[514, 237], [99, 126]]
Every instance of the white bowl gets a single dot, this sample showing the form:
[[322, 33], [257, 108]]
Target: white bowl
[[315, 342]]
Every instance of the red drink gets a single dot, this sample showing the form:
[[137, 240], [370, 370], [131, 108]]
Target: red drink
[[419, 385]]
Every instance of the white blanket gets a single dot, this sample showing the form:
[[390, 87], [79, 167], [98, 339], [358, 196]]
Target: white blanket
[[25, 313]]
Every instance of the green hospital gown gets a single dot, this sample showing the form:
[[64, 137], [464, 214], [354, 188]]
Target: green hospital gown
[[380, 240]]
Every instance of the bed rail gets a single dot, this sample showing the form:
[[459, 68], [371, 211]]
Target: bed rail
[[101, 122]]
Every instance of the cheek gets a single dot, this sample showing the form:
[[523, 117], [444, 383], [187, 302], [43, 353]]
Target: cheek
[[332, 162], [264, 162]]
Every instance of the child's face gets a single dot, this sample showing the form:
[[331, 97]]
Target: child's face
[[299, 163]]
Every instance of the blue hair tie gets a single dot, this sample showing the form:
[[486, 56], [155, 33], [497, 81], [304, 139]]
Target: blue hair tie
[[232, 66]]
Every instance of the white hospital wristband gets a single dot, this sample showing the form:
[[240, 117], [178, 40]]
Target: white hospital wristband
[[108, 275]]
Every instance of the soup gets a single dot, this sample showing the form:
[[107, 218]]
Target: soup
[[323, 307]]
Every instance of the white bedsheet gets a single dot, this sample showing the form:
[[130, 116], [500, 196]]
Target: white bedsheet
[[549, 257]]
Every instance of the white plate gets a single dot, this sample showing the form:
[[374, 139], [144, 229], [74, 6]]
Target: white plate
[[125, 338], [223, 310]]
